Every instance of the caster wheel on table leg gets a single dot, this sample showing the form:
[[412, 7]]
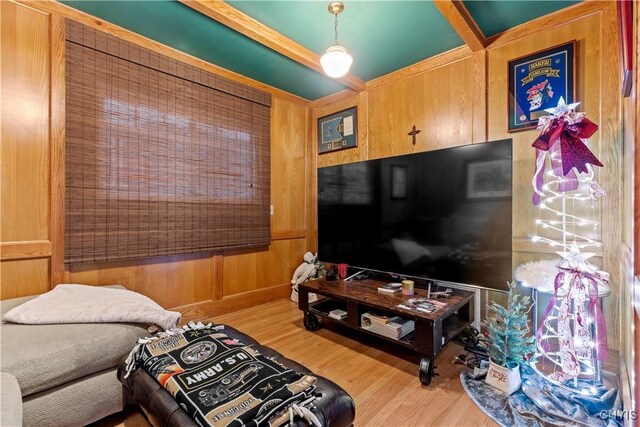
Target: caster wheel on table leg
[[426, 371], [311, 322]]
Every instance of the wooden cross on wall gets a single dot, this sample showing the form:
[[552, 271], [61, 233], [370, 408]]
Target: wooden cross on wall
[[413, 134]]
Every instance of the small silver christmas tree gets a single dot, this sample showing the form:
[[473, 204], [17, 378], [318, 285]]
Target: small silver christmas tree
[[510, 339]]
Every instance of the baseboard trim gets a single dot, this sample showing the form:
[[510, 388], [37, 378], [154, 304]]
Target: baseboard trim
[[232, 303]]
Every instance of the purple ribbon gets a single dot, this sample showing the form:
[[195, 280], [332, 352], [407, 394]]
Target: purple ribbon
[[594, 306], [569, 154]]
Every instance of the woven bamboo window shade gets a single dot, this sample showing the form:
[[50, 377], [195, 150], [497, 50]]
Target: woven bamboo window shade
[[161, 157]]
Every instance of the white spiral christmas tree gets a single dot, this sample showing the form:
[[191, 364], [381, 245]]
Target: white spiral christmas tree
[[571, 340]]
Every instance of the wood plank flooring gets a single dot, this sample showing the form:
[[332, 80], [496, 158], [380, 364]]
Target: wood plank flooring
[[381, 378]]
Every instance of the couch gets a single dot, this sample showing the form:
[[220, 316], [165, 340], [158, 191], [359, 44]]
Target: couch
[[65, 374]]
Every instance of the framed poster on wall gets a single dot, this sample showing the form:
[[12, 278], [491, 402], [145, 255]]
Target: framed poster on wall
[[537, 81], [338, 131]]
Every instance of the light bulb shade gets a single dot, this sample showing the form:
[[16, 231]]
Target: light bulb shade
[[336, 61]]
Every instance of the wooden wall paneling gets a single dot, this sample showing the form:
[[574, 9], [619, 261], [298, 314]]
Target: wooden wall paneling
[[24, 277], [479, 93], [389, 119], [624, 305], [290, 234], [311, 201], [57, 146], [216, 285], [246, 271], [25, 123], [587, 33], [24, 152], [350, 155], [330, 99], [25, 250], [233, 303], [443, 59], [439, 102], [610, 176], [170, 281], [62, 10], [548, 22], [288, 166]]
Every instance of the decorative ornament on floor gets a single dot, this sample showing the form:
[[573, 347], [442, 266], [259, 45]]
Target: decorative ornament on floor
[[510, 342], [305, 271], [571, 340]]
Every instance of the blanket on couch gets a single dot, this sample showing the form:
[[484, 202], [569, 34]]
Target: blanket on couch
[[220, 381], [91, 304]]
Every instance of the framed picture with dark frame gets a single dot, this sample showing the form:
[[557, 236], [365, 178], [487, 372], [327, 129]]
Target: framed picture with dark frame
[[338, 131], [537, 81], [488, 179], [398, 182]]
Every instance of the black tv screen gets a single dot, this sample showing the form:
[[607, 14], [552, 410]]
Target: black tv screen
[[441, 215]]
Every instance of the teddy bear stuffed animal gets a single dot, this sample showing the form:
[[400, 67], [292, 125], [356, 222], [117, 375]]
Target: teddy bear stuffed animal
[[305, 271]]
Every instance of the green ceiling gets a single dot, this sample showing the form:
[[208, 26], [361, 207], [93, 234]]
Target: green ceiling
[[496, 16], [181, 27], [382, 36]]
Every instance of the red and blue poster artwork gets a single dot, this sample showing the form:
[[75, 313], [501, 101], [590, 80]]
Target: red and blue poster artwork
[[537, 81]]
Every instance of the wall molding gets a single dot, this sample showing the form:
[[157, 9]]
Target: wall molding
[[330, 99], [548, 22], [524, 244], [426, 65], [29, 249], [288, 234], [479, 125], [228, 304], [57, 153]]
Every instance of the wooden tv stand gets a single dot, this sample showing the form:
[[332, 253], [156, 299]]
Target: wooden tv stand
[[432, 330]]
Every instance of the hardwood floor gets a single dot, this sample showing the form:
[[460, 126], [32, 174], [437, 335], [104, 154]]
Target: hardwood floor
[[381, 378]]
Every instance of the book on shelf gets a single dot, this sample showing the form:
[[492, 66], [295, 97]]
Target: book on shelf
[[390, 288], [423, 305], [379, 318], [396, 328], [338, 314]]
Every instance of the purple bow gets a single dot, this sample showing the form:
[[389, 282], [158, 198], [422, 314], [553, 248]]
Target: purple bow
[[570, 153]]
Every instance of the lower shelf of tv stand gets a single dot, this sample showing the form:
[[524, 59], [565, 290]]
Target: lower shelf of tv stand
[[431, 332]]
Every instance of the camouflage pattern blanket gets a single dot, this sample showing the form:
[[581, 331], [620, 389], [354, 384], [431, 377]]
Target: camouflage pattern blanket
[[219, 381]]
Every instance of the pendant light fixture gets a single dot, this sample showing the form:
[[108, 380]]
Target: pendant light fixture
[[336, 61]]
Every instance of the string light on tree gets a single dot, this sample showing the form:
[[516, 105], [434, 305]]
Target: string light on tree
[[560, 188], [572, 337]]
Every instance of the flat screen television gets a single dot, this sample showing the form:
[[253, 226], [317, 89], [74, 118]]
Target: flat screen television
[[441, 215]]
